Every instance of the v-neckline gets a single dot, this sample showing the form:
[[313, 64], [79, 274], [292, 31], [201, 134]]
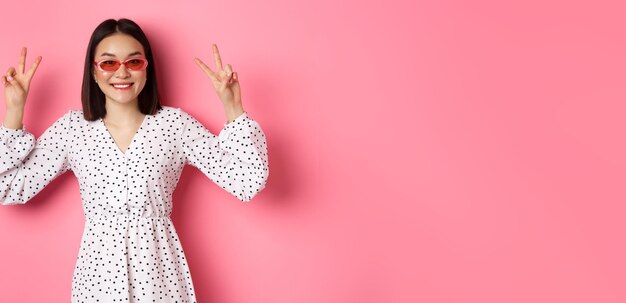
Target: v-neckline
[[117, 147]]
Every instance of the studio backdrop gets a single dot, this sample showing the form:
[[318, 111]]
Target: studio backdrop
[[419, 151]]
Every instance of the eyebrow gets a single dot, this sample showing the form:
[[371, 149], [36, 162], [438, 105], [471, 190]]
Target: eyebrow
[[112, 55]]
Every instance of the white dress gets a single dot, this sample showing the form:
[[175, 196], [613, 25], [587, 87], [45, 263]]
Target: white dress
[[130, 251]]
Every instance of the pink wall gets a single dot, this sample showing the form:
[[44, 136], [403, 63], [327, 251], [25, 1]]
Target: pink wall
[[420, 151]]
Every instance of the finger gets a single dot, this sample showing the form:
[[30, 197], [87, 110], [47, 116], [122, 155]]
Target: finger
[[22, 63], [33, 67], [218, 59], [234, 80], [11, 72], [229, 73], [230, 77], [229, 70], [11, 80], [4, 81], [205, 68], [236, 87], [226, 82], [235, 83]]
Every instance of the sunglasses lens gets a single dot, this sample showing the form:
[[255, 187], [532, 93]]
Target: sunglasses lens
[[132, 64], [109, 65], [135, 64]]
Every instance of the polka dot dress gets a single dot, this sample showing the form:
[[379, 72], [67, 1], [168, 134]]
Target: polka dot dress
[[130, 251]]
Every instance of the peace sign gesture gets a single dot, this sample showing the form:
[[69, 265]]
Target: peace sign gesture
[[226, 85], [17, 82]]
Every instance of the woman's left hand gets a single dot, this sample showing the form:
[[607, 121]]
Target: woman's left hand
[[226, 85]]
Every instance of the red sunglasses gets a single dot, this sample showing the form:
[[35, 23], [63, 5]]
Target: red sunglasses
[[111, 65]]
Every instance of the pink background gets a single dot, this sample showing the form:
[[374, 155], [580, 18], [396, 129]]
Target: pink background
[[420, 151]]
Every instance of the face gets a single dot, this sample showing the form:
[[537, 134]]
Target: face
[[122, 85]]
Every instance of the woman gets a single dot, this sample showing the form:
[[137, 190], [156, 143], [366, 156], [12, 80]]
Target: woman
[[127, 152]]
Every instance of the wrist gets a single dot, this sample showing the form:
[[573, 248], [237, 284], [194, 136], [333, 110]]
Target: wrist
[[13, 118], [232, 112]]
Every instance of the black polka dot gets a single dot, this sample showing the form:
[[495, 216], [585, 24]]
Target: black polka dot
[[130, 251]]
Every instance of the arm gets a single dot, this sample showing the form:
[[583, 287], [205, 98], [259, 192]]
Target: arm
[[26, 166], [236, 159]]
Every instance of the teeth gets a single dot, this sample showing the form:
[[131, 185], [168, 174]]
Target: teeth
[[121, 85]]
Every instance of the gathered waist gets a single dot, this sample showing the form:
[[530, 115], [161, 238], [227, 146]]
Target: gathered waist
[[125, 218]]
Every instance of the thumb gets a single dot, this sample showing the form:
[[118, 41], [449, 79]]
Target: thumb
[[14, 84], [12, 80]]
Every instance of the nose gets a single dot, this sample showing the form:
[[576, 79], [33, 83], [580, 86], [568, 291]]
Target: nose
[[122, 72]]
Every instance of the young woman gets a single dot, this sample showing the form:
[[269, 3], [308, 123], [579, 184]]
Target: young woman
[[127, 152]]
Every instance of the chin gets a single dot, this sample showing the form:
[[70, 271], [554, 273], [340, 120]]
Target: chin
[[122, 101]]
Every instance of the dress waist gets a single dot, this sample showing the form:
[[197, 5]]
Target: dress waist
[[125, 218]]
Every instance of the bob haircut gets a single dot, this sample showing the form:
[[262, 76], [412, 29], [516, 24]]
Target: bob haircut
[[93, 99]]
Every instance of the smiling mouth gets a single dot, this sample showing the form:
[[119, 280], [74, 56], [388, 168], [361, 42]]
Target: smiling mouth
[[122, 86]]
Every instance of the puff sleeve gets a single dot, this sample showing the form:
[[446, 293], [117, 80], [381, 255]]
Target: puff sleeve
[[26, 165], [236, 159]]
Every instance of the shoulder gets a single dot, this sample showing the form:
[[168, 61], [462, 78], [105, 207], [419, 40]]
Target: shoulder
[[174, 113], [75, 113], [171, 110], [168, 112], [71, 116], [75, 117], [172, 117], [67, 122]]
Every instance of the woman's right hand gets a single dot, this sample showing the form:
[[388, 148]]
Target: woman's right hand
[[16, 83]]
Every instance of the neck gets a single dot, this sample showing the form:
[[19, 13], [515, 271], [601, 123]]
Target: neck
[[122, 114]]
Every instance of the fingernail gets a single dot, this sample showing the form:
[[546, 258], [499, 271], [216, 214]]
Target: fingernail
[[10, 78]]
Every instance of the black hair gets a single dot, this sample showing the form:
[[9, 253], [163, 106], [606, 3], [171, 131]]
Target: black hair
[[93, 98]]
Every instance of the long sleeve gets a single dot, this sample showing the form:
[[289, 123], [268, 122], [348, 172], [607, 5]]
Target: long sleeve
[[236, 159], [26, 165]]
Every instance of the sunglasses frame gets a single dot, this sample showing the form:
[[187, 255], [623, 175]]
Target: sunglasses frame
[[125, 62]]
